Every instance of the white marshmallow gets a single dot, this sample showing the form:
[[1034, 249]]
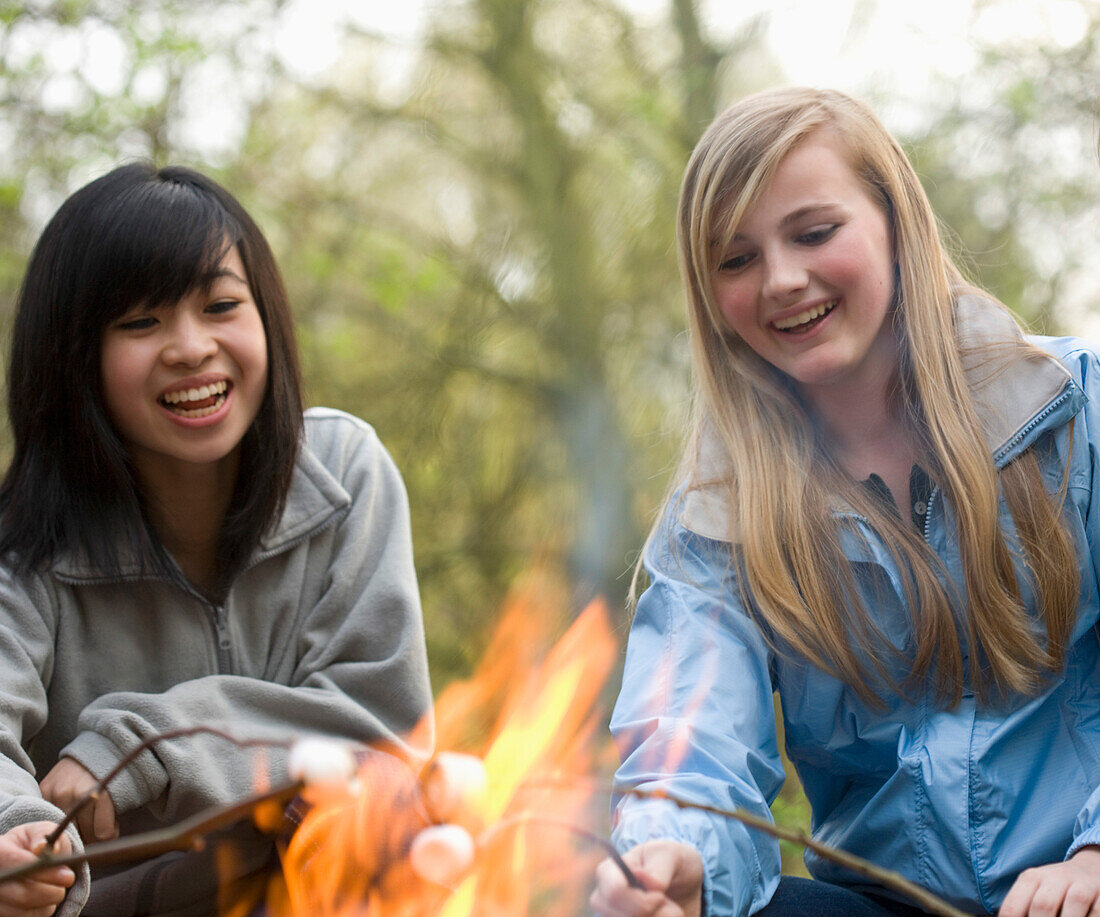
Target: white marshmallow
[[442, 853], [316, 761]]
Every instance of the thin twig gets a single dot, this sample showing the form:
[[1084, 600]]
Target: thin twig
[[885, 877], [189, 834], [523, 818], [94, 793]]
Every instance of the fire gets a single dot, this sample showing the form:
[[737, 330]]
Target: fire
[[493, 824]]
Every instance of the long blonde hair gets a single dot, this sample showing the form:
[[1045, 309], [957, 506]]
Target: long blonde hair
[[782, 481]]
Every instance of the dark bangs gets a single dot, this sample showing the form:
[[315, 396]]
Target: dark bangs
[[137, 237], [160, 240]]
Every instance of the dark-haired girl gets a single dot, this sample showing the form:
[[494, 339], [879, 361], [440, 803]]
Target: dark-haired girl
[[181, 544]]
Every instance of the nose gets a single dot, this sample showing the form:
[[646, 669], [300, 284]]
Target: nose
[[784, 274], [189, 342]]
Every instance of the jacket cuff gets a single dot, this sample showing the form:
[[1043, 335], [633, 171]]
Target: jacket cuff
[[133, 787], [661, 819], [1088, 838]]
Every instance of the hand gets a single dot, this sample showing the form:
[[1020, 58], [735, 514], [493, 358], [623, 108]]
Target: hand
[[66, 783], [671, 872], [1069, 889], [41, 893]]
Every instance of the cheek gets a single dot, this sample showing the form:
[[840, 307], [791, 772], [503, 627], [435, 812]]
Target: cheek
[[850, 266], [251, 352], [736, 304], [120, 377], [259, 356]]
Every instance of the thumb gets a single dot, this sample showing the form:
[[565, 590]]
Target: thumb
[[657, 865]]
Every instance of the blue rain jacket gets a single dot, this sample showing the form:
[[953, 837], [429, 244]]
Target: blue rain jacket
[[958, 800]]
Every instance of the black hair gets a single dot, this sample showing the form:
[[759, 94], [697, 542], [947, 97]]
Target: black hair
[[136, 237]]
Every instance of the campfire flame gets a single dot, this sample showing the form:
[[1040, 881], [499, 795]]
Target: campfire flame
[[493, 824]]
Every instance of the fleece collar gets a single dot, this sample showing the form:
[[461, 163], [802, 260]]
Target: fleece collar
[[315, 500], [1010, 391]]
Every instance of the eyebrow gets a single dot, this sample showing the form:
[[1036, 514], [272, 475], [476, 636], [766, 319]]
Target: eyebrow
[[220, 273], [795, 215]]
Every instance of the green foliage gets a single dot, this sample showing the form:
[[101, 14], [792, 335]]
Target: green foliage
[[497, 241], [481, 255], [1010, 164]]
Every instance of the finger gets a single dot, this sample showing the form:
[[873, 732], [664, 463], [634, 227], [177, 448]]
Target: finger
[[63, 846], [632, 902], [51, 875], [28, 894], [657, 863], [1079, 900], [85, 824], [36, 834], [1018, 900], [1048, 897], [103, 818], [57, 875], [6, 911], [612, 896], [606, 908]]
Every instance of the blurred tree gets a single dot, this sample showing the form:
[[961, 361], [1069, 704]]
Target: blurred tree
[[1010, 163], [478, 231], [485, 268]]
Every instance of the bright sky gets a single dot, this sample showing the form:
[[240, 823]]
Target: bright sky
[[888, 47], [890, 52], [894, 54]]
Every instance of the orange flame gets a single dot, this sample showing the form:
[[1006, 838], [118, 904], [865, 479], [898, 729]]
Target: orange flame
[[350, 857]]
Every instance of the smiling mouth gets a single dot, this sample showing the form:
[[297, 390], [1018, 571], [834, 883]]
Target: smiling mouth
[[196, 402], [804, 321]]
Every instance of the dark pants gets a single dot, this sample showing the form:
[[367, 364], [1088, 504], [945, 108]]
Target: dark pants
[[809, 898]]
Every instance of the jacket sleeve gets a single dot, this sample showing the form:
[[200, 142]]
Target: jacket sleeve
[[1084, 494], [26, 660], [695, 719], [361, 671]]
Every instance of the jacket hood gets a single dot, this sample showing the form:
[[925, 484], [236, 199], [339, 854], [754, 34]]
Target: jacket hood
[[1012, 390]]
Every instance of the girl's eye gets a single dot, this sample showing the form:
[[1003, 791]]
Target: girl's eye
[[140, 323], [222, 306], [818, 234], [735, 263]]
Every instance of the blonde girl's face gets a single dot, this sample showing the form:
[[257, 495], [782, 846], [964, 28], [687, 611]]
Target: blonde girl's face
[[183, 382], [807, 281]]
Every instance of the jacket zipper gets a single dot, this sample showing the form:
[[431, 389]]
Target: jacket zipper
[[224, 644]]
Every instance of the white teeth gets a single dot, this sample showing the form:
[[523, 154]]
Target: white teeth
[[199, 412], [196, 394], [785, 324], [178, 400]]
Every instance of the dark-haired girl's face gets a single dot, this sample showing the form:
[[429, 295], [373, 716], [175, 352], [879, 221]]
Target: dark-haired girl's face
[[183, 382]]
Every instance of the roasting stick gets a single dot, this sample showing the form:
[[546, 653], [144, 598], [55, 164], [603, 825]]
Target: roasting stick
[[534, 818], [94, 794], [189, 834], [885, 877]]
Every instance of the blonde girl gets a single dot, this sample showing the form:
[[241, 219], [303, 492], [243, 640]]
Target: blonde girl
[[886, 514]]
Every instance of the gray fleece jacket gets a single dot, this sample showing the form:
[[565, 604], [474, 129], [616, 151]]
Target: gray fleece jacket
[[320, 633]]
